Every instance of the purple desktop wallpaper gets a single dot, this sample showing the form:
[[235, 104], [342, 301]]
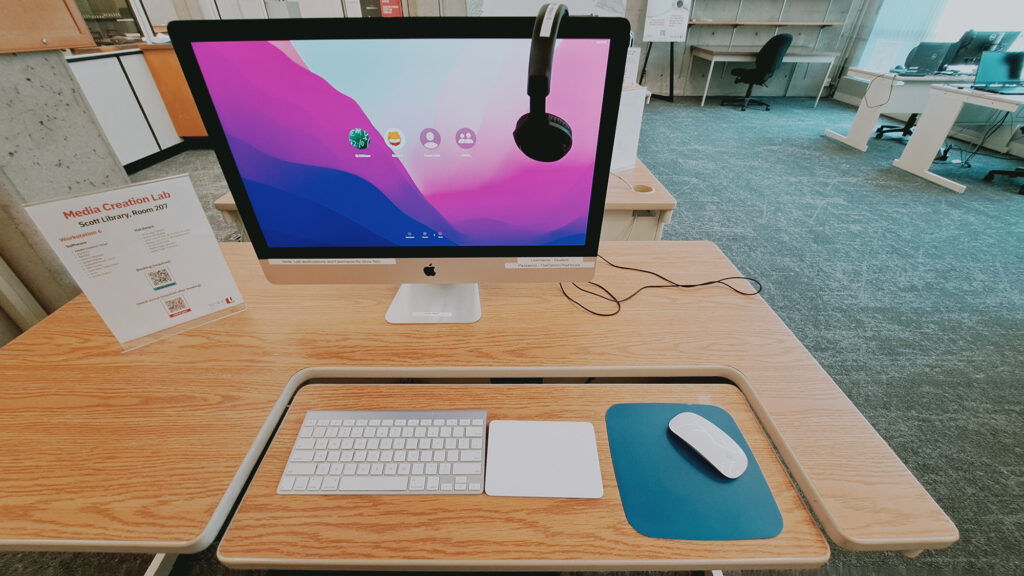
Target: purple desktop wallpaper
[[365, 143]]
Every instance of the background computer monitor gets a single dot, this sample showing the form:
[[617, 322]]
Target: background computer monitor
[[973, 43], [382, 151], [929, 56]]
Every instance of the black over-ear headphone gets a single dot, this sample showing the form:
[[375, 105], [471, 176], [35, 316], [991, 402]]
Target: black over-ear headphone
[[542, 136]]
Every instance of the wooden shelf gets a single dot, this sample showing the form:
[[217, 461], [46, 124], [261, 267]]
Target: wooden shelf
[[780, 24]]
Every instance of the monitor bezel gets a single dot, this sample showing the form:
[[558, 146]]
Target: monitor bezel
[[186, 32]]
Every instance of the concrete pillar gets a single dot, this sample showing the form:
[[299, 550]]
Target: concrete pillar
[[51, 146]]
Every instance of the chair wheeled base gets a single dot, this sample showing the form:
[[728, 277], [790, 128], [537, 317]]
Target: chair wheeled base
[[745, 100], [1015, 173]]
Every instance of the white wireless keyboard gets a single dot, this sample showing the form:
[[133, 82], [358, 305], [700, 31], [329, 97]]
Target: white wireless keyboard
[[388, 452]]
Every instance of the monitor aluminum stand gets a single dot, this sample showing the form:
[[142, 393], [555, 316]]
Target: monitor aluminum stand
[[435, 304]]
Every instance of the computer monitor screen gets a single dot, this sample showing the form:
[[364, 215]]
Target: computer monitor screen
[[973, 43], [1000, 68], [929, 56], [383, 151]]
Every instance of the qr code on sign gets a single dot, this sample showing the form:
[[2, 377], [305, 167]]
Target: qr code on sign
[[176, 305], [160, 278]]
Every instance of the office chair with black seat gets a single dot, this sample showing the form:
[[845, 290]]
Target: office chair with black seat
[[768, 61]]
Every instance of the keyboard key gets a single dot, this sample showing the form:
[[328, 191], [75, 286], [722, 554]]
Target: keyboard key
[[287, 482], [299, 468], [416, 483], [431, 468], [322, 468], [467, 468], [320, 443], [471, 456], [374, 483], [301, 456], [475, 431], [314, 483], [300, 482], [445, 468], [433, 482], [335, 469], [305, 443], [330, 483], [377, 469], [363, 469]]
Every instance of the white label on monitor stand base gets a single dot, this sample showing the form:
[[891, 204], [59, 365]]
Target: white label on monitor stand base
[[332, 261], [564, 262]]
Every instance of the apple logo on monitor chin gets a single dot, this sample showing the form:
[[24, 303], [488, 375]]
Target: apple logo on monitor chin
[[429, 270]]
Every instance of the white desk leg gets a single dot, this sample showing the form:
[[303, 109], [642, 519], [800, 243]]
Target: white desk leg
[[711, 70], [878, 92], [932, 128], [161, 565], [828, 74]]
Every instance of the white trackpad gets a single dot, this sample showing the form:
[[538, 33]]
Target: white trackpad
[[542, 459]]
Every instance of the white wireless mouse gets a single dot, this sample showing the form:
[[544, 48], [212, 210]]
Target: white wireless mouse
[[710, 442]]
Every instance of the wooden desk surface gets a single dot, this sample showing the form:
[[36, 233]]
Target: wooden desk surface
[[635, 195], [483, 532], [101, 450], [621, 196], [794, 52]]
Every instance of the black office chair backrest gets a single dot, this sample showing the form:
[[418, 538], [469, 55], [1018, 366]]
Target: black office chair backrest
[[770, 57]]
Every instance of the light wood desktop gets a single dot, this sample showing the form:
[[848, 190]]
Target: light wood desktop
[[637, 206], [944, 105], [888, 93], [491, 533], [795, 54], [148, 450]]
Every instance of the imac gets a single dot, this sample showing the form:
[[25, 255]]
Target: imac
[[973, 43], [382, 150]]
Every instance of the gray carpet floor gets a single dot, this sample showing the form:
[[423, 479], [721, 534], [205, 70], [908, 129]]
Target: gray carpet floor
[[910, 297]]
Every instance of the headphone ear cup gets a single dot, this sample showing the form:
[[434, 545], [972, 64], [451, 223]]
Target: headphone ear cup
[[545, 139]]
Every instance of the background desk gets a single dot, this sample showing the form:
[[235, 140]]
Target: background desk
[[944, 105], [483, 532], [888, 93], [629, 213], [148, 450], [749, 54]]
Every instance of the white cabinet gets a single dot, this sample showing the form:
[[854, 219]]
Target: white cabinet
[[122, 94]]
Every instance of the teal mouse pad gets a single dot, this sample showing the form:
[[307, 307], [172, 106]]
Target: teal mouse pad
[[670, 491]]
